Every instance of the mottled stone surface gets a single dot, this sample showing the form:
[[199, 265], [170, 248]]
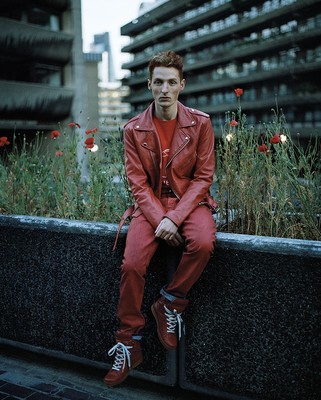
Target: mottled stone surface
[[252, 327], [59, 290]]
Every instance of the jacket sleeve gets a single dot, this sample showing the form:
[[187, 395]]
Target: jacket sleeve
[[202, 179], [143, 193]]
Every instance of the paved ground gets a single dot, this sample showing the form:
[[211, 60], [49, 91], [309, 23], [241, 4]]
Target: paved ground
[[35, 377]]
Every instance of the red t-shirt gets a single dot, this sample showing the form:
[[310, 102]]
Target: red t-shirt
[[165, 130]]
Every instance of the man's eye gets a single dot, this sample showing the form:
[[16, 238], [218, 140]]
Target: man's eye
[[172, 83], [157, 83]]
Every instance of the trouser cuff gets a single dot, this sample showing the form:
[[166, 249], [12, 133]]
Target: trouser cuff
[[168, 296], [137, 337]]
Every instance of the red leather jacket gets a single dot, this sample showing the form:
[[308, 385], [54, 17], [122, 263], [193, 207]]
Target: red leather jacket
[[190, 168]]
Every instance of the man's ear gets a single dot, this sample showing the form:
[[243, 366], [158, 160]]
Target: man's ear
[[183, 83], [148, 84]]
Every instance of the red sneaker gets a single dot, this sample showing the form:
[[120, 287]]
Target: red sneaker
[[169, 321], [128, 355]]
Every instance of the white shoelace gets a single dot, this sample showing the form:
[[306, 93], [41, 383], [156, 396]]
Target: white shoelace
[[122, 354], [173, 318]]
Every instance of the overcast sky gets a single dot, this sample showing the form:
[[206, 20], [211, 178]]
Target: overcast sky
[[99, 16]]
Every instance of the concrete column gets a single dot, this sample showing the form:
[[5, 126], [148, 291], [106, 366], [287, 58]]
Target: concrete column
[[79, 107]]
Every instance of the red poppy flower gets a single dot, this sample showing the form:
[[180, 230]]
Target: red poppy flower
[[233, 122], [59, 153], [89, 143], [92, 130], [238, 92], [73, 124], [4, 141], [262, 148], [275, 139], [55, 134]]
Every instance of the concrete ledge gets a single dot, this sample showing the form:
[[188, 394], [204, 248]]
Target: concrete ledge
[[252, 328]]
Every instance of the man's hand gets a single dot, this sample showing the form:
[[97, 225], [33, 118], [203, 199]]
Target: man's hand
[[168, 231]]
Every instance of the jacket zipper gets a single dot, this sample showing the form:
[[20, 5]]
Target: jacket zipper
[[174, 155], [178, 151], [160, 165]]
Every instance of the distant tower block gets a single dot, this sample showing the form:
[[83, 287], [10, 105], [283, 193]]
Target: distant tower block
[[102, 45]]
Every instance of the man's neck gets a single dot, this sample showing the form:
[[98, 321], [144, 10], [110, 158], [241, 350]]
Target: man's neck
[[166, 113]]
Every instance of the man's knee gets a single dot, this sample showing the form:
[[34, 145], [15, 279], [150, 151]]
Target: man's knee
[[128, 267], [201, 244], [132, 267]]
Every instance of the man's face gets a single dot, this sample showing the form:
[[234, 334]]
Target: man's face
[[166, 86]]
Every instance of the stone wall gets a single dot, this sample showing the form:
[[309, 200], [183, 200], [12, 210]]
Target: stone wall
[[252, 327]]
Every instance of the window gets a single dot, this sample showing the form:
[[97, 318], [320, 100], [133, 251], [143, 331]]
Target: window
[[43, 18], [48, 74], [308, 116], [317, 118], [283, 89]]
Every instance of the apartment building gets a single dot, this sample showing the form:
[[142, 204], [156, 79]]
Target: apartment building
[[41, 65], [271, 49]]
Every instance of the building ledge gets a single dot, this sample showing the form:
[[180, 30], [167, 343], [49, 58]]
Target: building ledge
[[33, 42], [34, 102]]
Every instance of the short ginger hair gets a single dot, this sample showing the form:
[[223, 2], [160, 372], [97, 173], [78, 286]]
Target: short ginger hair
[[168, 59]]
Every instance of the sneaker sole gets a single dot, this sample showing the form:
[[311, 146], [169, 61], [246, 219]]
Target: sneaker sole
[[125, 376]]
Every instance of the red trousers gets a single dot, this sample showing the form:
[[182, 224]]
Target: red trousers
[[199, 232]]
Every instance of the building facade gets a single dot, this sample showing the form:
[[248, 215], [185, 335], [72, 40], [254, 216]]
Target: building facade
[[92, 62], [110, 93], [102, 46], [41, 65], [271, 49], [112, 107]]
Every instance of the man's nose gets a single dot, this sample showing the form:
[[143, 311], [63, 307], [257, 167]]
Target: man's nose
[[165, 88]]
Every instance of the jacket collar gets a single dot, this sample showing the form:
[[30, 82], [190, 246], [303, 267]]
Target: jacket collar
[[144, 121]]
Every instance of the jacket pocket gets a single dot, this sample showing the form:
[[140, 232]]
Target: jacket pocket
[[146, 146], [185, 165], [149, 160]]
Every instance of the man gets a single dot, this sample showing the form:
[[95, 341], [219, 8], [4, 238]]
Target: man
[[169, 157]]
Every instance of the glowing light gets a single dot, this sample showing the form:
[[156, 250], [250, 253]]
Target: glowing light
[[94, 149]]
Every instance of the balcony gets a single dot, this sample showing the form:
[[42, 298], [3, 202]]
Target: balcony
[[242, 52], [60, 5], [158, 15], [255, 50], [33, 42], [251, 77], [284, 101], [169, 29], [166, 11], [20, 101], [243, 28], [246, 27], [278, 74]]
